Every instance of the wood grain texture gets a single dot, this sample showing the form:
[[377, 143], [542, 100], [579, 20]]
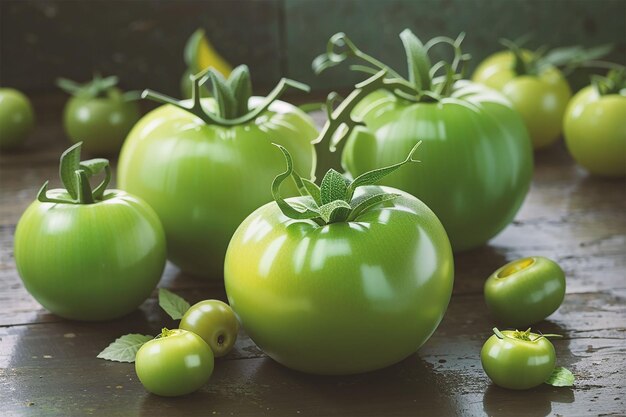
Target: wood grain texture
[[48, 365]]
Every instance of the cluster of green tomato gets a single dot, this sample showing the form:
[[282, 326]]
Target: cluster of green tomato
[[369, 266]]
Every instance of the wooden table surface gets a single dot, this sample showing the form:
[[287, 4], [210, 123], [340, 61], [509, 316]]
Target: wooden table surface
[[48, 365]]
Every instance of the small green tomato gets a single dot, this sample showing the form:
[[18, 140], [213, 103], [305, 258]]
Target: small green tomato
[[215, 322], [176, 362], [518, 360], [525, 291], [16, 118]]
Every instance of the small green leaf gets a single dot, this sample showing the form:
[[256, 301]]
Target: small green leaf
[[376, 175], [125, 348], [417, 58], [241, 87], [362, 204], [69, 86], [70, 163], [334, 187], [175, 306], [335, 211], [561, 377], [85, 195]]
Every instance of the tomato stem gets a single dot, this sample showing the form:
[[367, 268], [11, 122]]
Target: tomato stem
[[75, 176], [231, 96], [333, 201]]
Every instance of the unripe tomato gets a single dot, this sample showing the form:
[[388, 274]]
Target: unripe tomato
[[215, 322], [176, 363], [16, 118]]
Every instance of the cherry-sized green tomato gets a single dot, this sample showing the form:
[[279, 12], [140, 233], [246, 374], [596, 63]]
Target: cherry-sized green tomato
[[215, 322], [595, 129], [518, 360], [16, 118], [525, 291], [204, 169], [540, 98], [177, 362], [99, 115], [334, 283], [89, 255]]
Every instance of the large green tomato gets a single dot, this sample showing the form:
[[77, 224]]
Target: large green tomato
[[178, 362], [518, 360], [16, 118], [344, 297], [540, 99], [476, 158], [203, 180], [595, 131], [90, 261]]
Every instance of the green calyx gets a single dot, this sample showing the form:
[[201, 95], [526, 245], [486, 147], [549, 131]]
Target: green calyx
[[424, 83], [613, 83], [231, 95], [332, 201], [567, 58], [75, 175], [525, 335], [98, 87]]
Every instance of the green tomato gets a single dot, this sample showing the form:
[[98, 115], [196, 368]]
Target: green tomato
[[177, 362], [203, 180], [595, 131], [215, 322], [90, 262], [16, 118], [518, 360], [476, 157], [525, 291], [101, 123], [540, 99], [346, 297]]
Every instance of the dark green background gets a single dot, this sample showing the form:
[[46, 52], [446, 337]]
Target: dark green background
[[142, 41]]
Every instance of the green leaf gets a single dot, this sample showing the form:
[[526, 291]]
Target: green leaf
[[70, 163], [69, 86], [362, 204], [125, 348], [241, 87], [226, 102], [288, 210], [417, 58], [175, 306], [191, 48], [561, 377], [334, 187], [376, 175], [335, 211], [85, 195]]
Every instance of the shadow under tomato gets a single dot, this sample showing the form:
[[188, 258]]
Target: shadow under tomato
[[536, 402], [404, 388], [473, 267]]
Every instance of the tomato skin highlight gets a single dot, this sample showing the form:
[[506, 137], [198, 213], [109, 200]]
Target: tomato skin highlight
[[540, 99], [595, 132], [476, 158], [16, 118], [101, 123], [90, 262], [203, 180], [343, 298], [525, 291], [215, 322], [517, 364], [177, 364]]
